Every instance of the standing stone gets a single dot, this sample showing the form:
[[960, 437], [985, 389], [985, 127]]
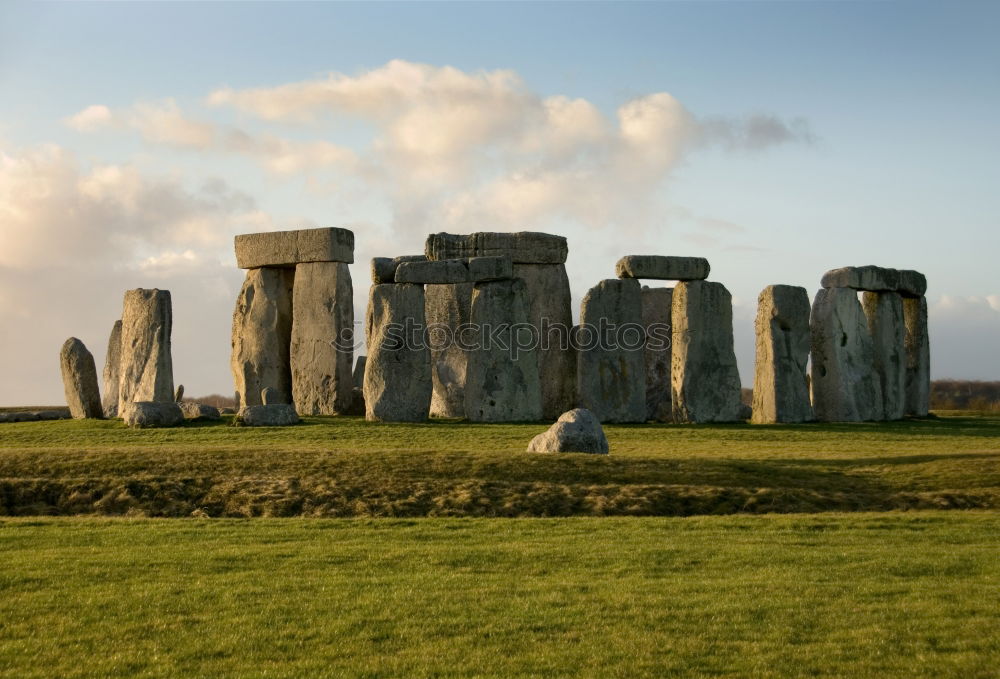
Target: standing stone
[[179, 394], [501, 380], [918, 357], [147, 371], [262, 330], [359, 373], [398, 369], [111, 375], [845, 387], [884, 311], [704, 380], [448, 308], [611, 364], [322, 340], [781, 385], [79, 375], [550, 311], [656, 306]]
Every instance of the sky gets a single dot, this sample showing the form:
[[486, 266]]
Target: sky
[[778, 140]]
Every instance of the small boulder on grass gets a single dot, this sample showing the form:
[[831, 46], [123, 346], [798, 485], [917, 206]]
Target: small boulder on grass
[[270, 415], [141, 414], [199, 411], [576, 431]]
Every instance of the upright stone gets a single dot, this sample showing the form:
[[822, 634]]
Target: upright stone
[[611, 369], [781, 385], [359, 372], [398, 369], [262, 330], [845, 387], [501, 383], [656, 306], [448, 310], [918, 357], [704, 380], [79, 375], [112, 366], [322, 340], [884, 311], [179, 394], [147, 371]]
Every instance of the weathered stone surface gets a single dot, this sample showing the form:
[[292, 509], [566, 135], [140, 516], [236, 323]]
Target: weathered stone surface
[[147, 371], [656, 306], [611, 368], [501, 379], [781, 385], [270, 396], [269, 415], [704, 380], [262, 332], [398, 369], [112, 374], [845, 387], [288, 248], [199, 411], [550, 310], [141, 414], [884, 311], [179, 394], [448, 308], [322, 341], [576, 431], [918, 357], [383, 269], [877, 279], [357, 406], [525, 247], [79, 375], [661, 267], [440, 272], [359, 373]]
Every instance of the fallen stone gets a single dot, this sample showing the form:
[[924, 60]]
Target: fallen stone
[[288, 248], [383, 269], [525, 247], [440, 272], [661, 267], [398, 369], [112, 371], [884, 311], [79, 377], [147, 371], [61, 414], [611, 368], [448, 309], [876, 279], [271, 415], [262, 332], [918, 357], [359, 373], [199, 411], [845, 387], [322, 340], [501, 380], [656, 306], [704, 381], [781, 384], [576, 431], [142, 414]]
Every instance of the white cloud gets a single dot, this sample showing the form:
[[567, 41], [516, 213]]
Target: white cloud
[[91, 118]]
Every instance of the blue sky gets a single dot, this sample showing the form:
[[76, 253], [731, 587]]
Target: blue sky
[[880, 147]]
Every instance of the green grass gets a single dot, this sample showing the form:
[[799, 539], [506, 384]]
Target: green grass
[[340, 467], [856, 595]]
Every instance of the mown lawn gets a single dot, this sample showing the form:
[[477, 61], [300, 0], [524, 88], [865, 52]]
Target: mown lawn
[[834, 595], [341, 467]]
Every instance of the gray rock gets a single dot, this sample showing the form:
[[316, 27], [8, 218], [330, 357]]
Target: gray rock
[[227, 411], [179, 394], [383, 269], [440, 272], [877, 279], [322, 341], [359, 373], [79, 375], [656, 310], [576, 431], [746, 412], [270, 415], [357, 407], [845, 387], [262, 332], [398, 370], [704, 381], [61, 414], [551, 313], [270, 396], [884, 311], [448, 309], [918, 357], [611, 367], [525, 247], [288, 248], [199, 411], [112, 371], [142, 414], [662, 267], [501, 381], [147, 371], [781, 385]]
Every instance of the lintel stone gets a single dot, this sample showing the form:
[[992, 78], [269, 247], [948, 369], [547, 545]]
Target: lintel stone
[[288, 248]]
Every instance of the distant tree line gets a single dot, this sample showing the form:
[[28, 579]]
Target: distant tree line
[[965, 395]]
